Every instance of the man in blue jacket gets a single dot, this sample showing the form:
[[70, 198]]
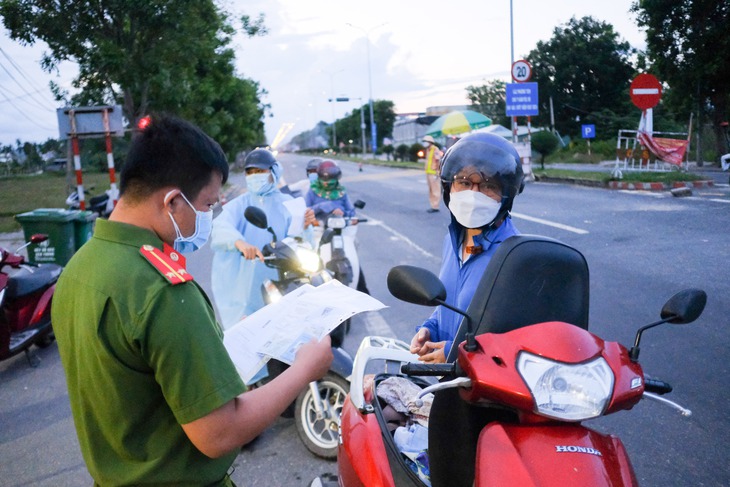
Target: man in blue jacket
[[481, 175]]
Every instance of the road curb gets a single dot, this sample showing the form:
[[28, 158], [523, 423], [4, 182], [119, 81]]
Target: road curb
[[638, 186], [693, 184]]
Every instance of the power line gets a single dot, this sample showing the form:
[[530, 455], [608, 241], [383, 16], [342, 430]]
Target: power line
[[25, 114], [18, 68], [22, 87]]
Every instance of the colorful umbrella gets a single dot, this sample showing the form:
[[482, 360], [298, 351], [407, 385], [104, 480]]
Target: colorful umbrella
[[457, 122]]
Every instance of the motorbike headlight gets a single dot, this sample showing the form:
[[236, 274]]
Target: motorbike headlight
[[336, 222], [308, 259], [570, 392]]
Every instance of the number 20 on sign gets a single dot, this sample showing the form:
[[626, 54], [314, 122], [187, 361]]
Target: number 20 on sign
[[521, 71]]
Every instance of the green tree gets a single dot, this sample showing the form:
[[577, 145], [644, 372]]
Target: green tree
[[401, 152], [544, 143], [148, 55], [349, 126], [689, 47], [490, 100], [586, 69]]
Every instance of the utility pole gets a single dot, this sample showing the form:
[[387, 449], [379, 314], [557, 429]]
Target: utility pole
[[373, 127]]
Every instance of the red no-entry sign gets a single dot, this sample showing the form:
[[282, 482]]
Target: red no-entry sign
[[646, 91]]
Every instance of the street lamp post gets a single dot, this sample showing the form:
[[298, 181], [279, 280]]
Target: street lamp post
[[512, 61], [332, 101], [373, 128], [362, 126]]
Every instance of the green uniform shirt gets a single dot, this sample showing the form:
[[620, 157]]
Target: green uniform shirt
[[141, 358]]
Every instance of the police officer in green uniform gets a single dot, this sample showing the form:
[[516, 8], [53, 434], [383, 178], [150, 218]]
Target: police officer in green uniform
[[155, 398]]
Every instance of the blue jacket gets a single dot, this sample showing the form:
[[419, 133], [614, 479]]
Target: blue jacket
[[235, 281], [460, 280], [323, 207]]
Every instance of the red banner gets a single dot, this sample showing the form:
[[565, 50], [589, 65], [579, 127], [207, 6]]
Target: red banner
[[667, 150]]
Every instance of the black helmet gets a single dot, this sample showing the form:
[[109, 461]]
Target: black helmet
[[491, 156], [260, 158], [328, 169], [313, 164]]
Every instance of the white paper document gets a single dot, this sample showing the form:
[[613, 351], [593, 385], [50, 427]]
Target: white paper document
[[296, 207], [279, 329]]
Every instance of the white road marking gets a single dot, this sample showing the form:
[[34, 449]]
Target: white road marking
[[579, 231], [399, 236]]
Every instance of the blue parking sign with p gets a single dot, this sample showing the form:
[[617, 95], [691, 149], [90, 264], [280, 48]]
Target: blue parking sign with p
[[588, 131]]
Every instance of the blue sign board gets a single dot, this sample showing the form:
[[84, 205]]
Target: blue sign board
[[588, 131], [521, 99], [374, 136]]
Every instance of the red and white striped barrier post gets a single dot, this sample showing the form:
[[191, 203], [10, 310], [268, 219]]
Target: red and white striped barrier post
[[110, 160], [77, 161]]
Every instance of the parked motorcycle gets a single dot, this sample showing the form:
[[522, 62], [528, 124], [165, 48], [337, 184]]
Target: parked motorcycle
[[101, 204], [317, 408], [509, 407], [25, 302]]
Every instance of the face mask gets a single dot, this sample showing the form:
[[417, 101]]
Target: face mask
[[259, 184], [203, 227], [312, 177], [473, 209]]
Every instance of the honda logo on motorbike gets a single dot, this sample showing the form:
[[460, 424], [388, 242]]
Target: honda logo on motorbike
[[577, 449]]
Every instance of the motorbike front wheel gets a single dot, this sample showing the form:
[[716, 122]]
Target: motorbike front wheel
[[319, 432]]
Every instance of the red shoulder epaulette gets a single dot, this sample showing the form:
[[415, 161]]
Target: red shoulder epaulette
[[170, 263]]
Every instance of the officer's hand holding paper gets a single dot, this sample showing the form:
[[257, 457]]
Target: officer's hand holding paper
[[279, 329]]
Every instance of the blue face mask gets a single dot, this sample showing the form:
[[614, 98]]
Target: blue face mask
[[312, 177], [260, 184], [203, 227]]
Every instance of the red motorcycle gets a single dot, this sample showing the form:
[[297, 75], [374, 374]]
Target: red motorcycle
[[509, 406], [25, 302]]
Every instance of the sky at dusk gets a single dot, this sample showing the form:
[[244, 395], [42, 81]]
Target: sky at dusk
[[421, 54]]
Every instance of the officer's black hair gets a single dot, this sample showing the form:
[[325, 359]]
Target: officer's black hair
[[171, 152]]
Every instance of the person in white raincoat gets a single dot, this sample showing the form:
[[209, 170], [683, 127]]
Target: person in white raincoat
[[238, 269]]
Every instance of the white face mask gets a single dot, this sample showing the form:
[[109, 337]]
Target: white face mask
[[203, 228], [473, 209]]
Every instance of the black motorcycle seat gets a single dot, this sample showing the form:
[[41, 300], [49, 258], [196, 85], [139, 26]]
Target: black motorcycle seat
[[31, 279], [99, 200], [530, 279]]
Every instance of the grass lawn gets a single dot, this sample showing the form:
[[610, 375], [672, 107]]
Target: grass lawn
[[19, 194], [628, 176]]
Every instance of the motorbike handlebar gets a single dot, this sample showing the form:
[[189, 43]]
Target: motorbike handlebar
[[657, 386], [427, 369]]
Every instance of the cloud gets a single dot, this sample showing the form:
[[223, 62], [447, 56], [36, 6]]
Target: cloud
[[422, 53]]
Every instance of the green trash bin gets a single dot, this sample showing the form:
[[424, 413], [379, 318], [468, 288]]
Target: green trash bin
[[58, 224], [83, 227]]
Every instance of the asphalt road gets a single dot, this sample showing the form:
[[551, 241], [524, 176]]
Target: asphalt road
[[641, 247]]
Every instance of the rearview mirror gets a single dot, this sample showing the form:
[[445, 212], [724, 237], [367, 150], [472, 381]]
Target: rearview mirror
[[685, 306], [256, 216], [416, 285], [359, 204], [37, 238]]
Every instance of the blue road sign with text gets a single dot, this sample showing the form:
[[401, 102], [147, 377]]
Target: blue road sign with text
[[588, 131], [521, 99]]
